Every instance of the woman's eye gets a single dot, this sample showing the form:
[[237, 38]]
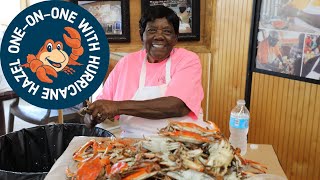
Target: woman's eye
[[167, 31], [152, 30], [49, 47]]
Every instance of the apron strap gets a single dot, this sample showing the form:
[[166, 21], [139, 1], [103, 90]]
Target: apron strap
[[168, 73], [143, 72]]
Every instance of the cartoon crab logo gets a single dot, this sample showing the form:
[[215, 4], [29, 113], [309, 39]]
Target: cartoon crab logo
[[52, 59]]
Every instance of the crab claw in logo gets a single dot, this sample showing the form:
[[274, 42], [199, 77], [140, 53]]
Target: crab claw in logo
[[52, 59]]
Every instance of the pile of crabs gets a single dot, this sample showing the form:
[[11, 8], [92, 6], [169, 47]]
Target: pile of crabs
[[181, 151]]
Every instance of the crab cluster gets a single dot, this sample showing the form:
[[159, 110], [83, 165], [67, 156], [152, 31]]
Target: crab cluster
[[181, 151]]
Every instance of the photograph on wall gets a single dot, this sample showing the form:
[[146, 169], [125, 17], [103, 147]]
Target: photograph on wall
[[288, 38], [311, 57], [280, 51], [188, 12], [291, 15], [108, 13], [183, 9]]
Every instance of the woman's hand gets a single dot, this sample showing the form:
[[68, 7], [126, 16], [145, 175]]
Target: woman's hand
[[89, 122], [159, 108], [100, 111], [104, 109]]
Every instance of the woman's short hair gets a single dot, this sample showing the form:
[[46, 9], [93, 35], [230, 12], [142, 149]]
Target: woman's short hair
[[155, 12]]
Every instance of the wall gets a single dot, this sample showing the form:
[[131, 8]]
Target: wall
[[202, 46], [229, 46], [284, 113]]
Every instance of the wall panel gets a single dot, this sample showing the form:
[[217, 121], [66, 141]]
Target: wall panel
[[205, 59], [285, 113], [229, 42]]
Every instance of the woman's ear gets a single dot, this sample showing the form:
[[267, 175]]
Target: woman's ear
[[141, 34]]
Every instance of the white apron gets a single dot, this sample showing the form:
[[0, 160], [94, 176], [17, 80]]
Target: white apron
[[313, 74], [136, 127]]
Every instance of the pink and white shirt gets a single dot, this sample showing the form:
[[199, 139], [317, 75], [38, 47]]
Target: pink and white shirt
[[185, 83]]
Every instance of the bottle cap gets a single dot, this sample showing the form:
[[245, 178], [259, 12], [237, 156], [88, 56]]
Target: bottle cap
[[241, 102], [254, 146]]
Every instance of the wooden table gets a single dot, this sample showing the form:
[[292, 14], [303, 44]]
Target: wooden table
[[263, 154], [4, 96]]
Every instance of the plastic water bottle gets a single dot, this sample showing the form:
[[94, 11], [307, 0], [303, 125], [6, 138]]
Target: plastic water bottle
[[239, 126]]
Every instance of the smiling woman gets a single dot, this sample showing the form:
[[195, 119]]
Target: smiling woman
[[149, 86]]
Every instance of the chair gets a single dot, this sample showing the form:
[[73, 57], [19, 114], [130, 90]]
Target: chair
[[40, 116], [3, 97]]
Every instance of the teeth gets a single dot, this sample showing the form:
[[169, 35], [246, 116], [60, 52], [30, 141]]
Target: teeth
[[158, 46]]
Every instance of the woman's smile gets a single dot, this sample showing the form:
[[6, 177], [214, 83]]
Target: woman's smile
[[158, 45]]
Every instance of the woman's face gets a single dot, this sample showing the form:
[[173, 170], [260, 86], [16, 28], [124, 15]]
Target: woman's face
[[158, 39]]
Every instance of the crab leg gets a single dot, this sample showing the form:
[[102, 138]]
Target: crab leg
[[140, 174], [78, 156], [192, 127], [260, 167], [192, 165], [34, 64], [186, 136]]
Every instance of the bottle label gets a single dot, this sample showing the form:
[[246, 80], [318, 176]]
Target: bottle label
[[240, 123]]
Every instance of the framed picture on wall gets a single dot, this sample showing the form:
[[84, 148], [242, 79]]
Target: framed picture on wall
[[285, 39], [188, 12], [113, 16]]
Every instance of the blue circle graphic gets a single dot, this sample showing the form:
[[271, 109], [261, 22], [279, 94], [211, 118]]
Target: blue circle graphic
[[54, 54]]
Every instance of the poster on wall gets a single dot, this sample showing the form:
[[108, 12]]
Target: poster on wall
[[188, 12], [288, 38], [113, 15]]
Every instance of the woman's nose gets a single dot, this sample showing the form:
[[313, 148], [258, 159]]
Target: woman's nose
[[159, 35]]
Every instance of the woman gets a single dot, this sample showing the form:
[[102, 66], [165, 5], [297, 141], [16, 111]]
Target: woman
[[157, 83]]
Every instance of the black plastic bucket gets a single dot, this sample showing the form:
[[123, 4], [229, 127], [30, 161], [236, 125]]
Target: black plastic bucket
[[30, 153]]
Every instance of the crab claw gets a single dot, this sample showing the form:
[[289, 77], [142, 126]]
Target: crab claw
[[42, 75], [140, 174], [74, 41], [50, 71], [258, 166]]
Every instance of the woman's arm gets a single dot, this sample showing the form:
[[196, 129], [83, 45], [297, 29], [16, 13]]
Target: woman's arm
[[159, 108]]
